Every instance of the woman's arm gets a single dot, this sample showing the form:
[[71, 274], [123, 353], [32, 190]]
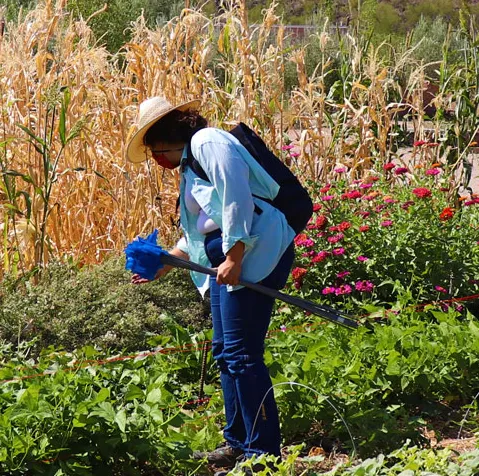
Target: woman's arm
[[230, 270]]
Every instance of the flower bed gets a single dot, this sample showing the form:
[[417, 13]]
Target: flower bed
[[395, 233]]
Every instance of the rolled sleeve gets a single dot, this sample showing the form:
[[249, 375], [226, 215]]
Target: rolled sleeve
[[229, 175], [182, 245]]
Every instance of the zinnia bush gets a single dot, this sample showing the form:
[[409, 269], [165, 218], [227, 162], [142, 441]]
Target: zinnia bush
[[401, 236]]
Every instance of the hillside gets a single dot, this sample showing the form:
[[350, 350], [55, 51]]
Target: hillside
[[395, 15]]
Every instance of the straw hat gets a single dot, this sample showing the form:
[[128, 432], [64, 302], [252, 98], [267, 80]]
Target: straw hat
[[151, 110]]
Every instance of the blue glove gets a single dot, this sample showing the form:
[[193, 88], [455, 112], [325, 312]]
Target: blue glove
[[143, 256]]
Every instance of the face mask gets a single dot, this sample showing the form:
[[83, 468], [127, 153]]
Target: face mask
[[162, 161]]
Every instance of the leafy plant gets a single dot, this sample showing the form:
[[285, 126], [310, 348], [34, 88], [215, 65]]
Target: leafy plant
[[97, 306]]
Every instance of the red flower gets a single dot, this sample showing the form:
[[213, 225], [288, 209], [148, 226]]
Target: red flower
[[389, 166], [422, 192], [298, 273], [446, 214], [363, 228], [321, 222], [321, 256], [419, 143], [345, 225], [325, 188], [317, 207], [353, 194]]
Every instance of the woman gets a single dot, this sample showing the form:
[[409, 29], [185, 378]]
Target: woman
[[226, 225]]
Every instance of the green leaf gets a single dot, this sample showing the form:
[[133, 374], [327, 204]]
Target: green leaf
[[102, 395], [120, 420], [105, 410], [37, 139], [134, 392]]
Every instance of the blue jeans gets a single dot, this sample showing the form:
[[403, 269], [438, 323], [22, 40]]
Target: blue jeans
[[240, 322]]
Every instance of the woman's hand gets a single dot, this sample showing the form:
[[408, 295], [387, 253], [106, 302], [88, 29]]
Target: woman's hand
[[137, 279], [230, 270]]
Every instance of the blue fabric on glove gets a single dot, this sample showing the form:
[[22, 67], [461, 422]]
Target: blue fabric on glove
[[143, 256]]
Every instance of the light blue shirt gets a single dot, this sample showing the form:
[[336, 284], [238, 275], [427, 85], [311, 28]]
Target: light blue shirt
[[235, 176]]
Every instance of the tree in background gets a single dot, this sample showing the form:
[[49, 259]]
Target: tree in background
[[112, 24], [9, 9]]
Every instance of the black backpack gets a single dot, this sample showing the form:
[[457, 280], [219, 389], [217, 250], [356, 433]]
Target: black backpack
[[292, 199]]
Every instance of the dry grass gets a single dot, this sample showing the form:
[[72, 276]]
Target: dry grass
[[99, 202]]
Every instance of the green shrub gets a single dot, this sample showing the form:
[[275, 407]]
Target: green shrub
[[97, 306]]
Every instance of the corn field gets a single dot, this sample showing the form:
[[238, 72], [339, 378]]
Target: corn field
[[68, 108]]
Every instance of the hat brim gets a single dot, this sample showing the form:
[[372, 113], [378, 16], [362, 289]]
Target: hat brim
[[136, 150]]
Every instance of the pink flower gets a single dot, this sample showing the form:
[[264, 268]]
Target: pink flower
[[340, 170], [362, 258], [433, 171], [282, 328], [440, 289], [303, 240], [328, 290], [471, 202], [294, 154], [422, 192], [335, 238], [327, 198], [338, 251], [287, 147], [401, 170], [390, 200], [343, 289], [406, 205], [343, 274], [364, 214], [389, 166], [364, 286], [387, 223], [366, 185]]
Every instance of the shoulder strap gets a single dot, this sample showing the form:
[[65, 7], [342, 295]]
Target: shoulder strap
[[195, 165]]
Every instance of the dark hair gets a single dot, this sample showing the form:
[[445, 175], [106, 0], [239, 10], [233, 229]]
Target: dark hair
[[177, 126]]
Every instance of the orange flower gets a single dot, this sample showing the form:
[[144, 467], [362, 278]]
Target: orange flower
[[437, 164], [419, 166], [446, 214], [461, 199]]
